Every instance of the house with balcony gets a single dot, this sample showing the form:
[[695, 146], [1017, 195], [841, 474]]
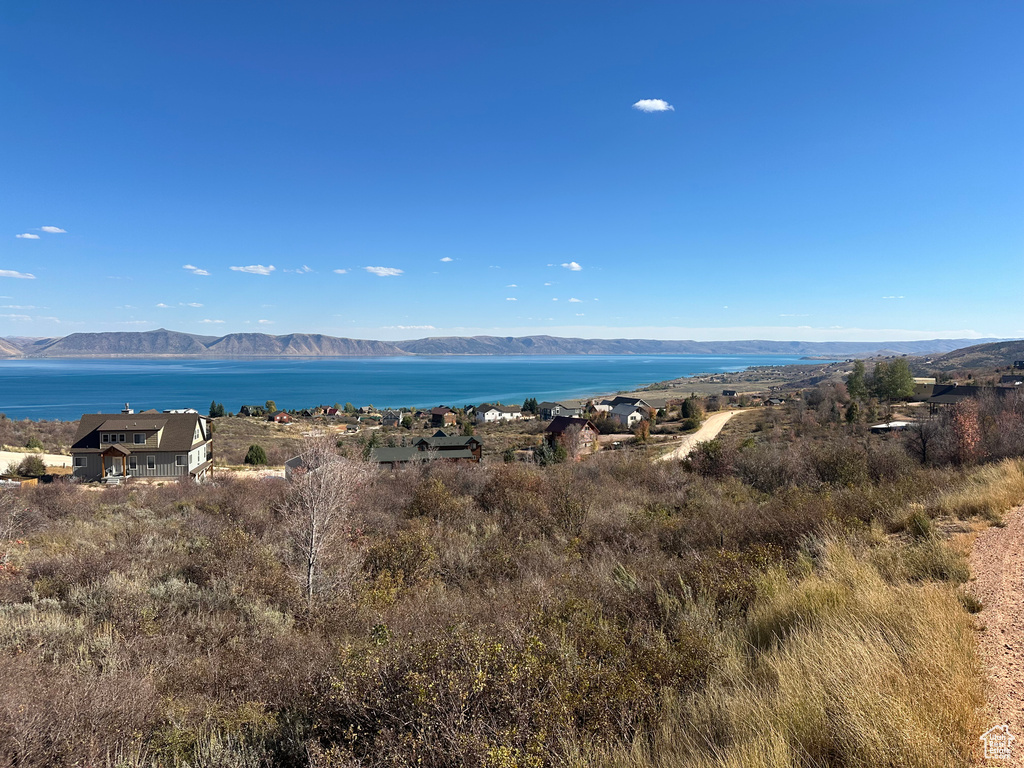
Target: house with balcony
[[112, 447]]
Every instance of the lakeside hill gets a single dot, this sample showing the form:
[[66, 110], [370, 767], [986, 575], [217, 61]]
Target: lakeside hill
[[165, 343], [995, 355]]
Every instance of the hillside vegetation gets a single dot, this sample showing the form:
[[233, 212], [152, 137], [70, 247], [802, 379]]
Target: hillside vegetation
[[784, 598]]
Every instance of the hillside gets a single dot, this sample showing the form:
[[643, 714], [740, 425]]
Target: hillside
[[116, 343], [995, 355], [173, 343], [298, 345], [8, 349]]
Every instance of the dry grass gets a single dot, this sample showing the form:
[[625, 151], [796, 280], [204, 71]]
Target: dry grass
[[837, 668]]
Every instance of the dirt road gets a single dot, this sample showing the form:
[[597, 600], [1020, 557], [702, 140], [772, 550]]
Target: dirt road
[[997, 564], [708, 431]]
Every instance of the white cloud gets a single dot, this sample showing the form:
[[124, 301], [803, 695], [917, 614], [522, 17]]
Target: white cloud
[[654, 105], [27, 236], [790, 314], [554, 299], [18, 306], [892, 297], [383, 271], [511, 298], [265, 322], [414, 327], [16, 317], [21, 275], [189, 304], [164, 306], [54, 230], [573, 266], [447, 258], [196, 270], [579, 314], [548, 283], [211, 321], [303, 270], [341, 271], [256, 269], [512, 286], [575, 301]]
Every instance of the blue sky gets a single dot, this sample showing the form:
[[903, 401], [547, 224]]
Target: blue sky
[[827, 170]]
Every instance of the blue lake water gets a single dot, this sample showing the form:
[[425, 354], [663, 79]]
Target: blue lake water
[[65, 389]]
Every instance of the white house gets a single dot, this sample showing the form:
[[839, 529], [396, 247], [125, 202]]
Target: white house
[[488, 413]]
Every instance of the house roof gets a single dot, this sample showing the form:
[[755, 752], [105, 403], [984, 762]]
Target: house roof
[[484, 407], [625, 409], [448, 441], [179, 429], [392, 414], [560, 424], [950, 394], [117, 448], [121, 424], [627, 401], [440, 410]]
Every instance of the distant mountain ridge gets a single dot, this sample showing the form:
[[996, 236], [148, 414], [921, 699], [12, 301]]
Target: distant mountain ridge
[[165, 343]]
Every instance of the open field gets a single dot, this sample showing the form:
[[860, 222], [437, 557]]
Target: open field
[[785, 596]]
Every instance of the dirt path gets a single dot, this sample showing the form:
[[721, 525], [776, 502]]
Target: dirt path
[[997, 564], [708, 431]]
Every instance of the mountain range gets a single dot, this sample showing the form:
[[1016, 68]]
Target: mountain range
[[165, 343]]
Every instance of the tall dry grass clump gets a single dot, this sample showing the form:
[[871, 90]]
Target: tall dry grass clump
[[985, 491], [839, 667]]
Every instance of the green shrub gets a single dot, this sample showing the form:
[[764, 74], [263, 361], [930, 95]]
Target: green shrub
[[256, 455]]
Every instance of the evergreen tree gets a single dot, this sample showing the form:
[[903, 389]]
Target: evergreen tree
[[855, 383], [256, 455]]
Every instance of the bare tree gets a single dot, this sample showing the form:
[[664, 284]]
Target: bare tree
[[322, 503]]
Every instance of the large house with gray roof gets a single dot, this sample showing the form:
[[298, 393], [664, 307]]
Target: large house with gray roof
[[111, 447]]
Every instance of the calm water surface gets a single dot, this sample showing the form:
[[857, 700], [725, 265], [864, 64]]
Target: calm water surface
[[65, 389]]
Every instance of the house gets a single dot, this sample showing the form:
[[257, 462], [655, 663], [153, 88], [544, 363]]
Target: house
[[774, 401], [445, 445], [487, 413], [603, 406], [728, 393], [392, 418], [437, 447], [294, 467], [280, 418], [627, 415], [1018, 364], [442, 416], [549, 410], [564, 430], [951, 394], [113, 447], [1013, 380]]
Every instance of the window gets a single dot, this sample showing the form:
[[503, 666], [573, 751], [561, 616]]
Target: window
[[181, 460], [133, 463], [140, 439], [104, 438], [120, 438], [80, 461], [151, 462]]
